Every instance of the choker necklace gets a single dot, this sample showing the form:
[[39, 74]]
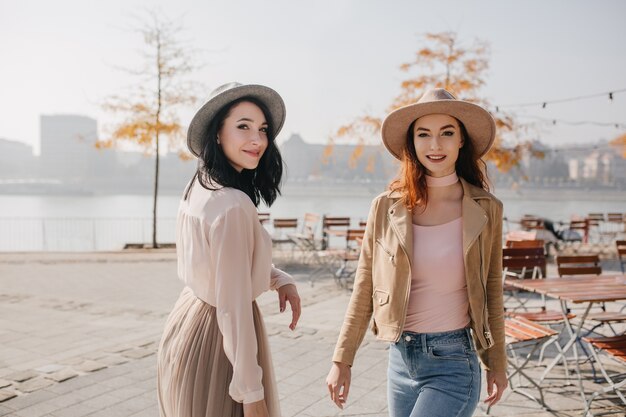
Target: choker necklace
[[441, 181]]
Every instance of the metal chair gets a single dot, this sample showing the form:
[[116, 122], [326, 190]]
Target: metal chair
[[614, 347]]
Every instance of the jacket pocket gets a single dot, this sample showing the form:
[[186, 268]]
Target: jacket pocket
[[380, 297]]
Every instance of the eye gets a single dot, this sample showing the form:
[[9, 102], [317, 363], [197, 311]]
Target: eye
[[448, 133], [242, 126], [263, 129], [422, 135]]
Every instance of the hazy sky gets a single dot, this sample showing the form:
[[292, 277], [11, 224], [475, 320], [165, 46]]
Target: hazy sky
[[331, 60]]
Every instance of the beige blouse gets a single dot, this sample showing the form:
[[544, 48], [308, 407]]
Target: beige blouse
[[224, 256]]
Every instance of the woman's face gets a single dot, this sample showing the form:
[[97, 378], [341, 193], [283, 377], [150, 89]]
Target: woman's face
[[243, 136], [437, 139]]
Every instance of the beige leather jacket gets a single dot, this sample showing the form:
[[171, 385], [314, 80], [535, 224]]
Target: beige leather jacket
[[383, 276]]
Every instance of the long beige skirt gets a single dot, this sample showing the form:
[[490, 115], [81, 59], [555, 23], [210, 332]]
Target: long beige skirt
[[193, 372]]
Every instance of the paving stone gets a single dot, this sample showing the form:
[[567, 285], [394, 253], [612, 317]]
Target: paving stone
[[22, 376], [138, 353], [6, 395], [62, 375], [90, 366], [113, 360], [48, 369], [33, 385], [37, 410], [77, 410]]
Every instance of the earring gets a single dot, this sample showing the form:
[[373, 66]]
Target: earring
[[218, 141]]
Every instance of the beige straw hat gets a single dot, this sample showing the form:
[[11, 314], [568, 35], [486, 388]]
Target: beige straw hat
[[479, 124], [226, 94]]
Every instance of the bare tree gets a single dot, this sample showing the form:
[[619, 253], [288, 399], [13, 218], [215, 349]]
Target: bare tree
[[148, 110]]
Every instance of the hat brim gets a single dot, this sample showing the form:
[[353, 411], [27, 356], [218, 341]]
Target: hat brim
[[479, 124], [200, 122]]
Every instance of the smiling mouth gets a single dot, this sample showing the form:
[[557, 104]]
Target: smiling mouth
[[253, 153], [436, 158]]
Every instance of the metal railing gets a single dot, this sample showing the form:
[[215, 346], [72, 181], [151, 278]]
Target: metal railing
[[77, 234]]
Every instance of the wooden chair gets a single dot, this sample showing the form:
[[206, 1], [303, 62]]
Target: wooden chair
[[348, 257], [580, 226], [525, 337], [621, 253], [522, 263], [615, 348], [339, 262], [264, 217], [578, 265], [306, 238], [528, 222], [282, 228], [536, 243], [332, 225]]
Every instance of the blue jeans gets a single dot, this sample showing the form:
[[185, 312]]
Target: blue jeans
[[433, 375]]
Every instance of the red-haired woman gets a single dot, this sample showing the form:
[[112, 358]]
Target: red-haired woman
[[430, 270]]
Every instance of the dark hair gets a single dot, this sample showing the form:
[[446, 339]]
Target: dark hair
[[214, 170], [411, 180]]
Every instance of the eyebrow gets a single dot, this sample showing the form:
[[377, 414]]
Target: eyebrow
[[245, 119], [428, 130]]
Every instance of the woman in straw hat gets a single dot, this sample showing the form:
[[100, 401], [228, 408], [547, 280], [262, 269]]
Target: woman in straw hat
[[214, 357], [431, 265]]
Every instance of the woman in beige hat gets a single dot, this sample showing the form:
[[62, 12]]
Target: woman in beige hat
[[214, 357], [431, 265]]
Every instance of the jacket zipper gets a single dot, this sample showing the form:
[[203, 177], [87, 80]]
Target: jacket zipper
[[391, 256], [486, 332], [408, 291]]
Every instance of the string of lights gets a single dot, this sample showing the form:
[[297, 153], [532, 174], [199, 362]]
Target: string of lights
[[616, 125], [544, 103]]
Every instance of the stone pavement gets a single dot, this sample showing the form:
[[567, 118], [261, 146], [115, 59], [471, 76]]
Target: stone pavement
[[79, 332]]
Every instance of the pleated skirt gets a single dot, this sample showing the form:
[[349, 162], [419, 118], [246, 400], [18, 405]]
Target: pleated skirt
[[193, 372]]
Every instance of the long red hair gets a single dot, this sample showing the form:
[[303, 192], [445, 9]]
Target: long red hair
[[411, 180]]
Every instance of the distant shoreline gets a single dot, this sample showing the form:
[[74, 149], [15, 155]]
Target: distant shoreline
[[357, 190]]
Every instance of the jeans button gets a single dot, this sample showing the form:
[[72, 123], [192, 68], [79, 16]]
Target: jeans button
[[407, 338]]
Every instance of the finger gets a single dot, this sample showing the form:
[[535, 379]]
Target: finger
[[281, 301], [295, 312], [346, 391], [336, 396]]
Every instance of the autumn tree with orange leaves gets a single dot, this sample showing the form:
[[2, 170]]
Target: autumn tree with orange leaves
[[620, 143], [442, 63], [148, 111]]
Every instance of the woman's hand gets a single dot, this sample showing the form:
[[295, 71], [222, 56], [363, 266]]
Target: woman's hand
[[289, 293], [256, 409], [338, 381], [501, 382]]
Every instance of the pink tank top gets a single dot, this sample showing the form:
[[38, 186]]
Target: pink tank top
[[438, 300]]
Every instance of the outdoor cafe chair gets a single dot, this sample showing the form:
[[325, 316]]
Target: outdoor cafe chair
[[282, 228], [333, 225], [339, 262], [305, 239], [590, 265], [615, 348], [264, 217], [620, 246], [522, 263], [523, 338]]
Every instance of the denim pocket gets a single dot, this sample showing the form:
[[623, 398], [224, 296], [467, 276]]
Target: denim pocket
[[453, 351]]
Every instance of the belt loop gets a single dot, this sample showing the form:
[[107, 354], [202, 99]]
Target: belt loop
[[469, 338], [424, 347]]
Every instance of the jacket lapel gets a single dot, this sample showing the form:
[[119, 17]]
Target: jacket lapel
[[474, 217], [401, 223]]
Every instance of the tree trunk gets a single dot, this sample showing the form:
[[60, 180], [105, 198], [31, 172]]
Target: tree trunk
[[156, 190], [157, 130]]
